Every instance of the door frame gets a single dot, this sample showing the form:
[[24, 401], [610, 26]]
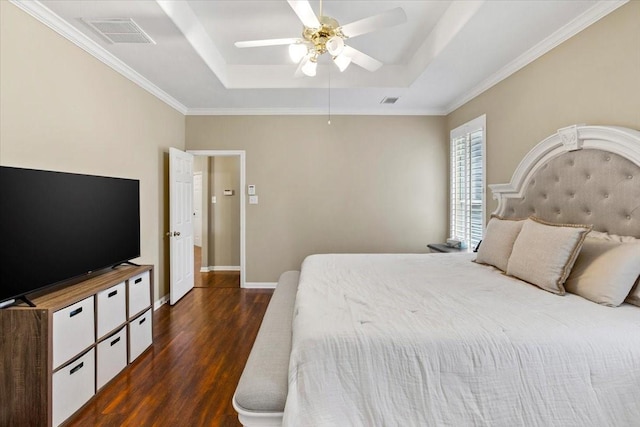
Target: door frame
[[243, 199]]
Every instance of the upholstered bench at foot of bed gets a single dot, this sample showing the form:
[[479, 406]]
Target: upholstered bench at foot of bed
[[262, 390]]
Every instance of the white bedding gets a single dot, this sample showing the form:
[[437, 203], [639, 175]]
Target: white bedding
[[436, 340]]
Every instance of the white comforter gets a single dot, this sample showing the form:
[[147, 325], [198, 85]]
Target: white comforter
[[436, 340]]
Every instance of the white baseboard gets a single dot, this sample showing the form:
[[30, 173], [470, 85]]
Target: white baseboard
[[220, 268], [162, 301], [260, 285]]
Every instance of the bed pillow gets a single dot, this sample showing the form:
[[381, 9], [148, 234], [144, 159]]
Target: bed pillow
[[497, 242], [605, 271], [612, 237], [634, 295], [544, 253]]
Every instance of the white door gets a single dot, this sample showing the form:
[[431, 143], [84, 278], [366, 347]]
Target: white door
[[197, 208], [180, 223]]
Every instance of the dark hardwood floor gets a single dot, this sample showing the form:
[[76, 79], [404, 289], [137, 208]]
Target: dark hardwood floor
[[218, 279], [189, 375]]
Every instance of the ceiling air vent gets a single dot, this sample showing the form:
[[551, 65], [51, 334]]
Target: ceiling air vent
[[119, 30], [389, 100]]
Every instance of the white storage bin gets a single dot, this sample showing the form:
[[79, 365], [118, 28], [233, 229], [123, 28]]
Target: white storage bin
[[112, 357], [73, 330], [139, 293], [112, 309], [73, 386], [140, 335]]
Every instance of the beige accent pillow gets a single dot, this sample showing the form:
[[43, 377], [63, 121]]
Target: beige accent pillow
[[544, 253], [497, 242], [605, 271], [634, 295]]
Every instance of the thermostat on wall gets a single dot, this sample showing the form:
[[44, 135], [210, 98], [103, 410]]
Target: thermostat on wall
[[228, 192], [251, 189]]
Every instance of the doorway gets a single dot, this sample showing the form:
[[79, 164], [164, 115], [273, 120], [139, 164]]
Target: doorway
[[219, 260]]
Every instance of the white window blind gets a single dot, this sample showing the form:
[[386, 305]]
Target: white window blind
[[467, 182]]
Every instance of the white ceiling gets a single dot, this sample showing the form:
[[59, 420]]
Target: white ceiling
[[447, 52]]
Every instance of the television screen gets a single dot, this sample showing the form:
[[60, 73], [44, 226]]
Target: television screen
[[56, 226]]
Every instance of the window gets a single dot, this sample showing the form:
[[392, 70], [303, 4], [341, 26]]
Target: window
[[467, 182]]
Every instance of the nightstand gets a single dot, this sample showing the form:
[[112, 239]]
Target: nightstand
[[442, 248]]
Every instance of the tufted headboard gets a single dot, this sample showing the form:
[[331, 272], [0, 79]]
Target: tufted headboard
[[580, 175]]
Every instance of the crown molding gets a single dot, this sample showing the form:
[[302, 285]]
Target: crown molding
[[309, 112], [589, 17], [57, 24]]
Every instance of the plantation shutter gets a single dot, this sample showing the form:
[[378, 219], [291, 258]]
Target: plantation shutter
[[467, 182]]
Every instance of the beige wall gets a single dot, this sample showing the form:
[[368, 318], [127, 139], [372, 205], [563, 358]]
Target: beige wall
[[361, 184], [224, 221], [61, 109], [592, 78]]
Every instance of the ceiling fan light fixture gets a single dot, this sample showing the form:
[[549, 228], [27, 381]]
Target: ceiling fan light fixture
[[335, 45], [342, 62], [323, 34], [309, 66], [297, 51]]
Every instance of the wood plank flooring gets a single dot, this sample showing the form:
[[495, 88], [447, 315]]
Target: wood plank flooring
[[189, 375], [218, 279]]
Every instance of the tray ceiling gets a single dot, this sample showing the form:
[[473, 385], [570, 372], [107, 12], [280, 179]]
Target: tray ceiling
[[446, 53]]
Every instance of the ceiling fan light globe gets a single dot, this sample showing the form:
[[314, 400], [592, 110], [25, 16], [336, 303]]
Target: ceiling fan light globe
[[297, 51], [335, 45], [342, 62], [309, 67]]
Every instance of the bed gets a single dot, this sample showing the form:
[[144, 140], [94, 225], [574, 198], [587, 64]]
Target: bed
[[425, 340], [542, 330]]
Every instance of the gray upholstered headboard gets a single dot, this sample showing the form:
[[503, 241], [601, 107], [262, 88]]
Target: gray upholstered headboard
[[580, 175]]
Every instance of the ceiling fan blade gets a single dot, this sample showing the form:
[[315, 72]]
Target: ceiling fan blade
[[376, 22], [303, 9], [266, 42], [362, 59]]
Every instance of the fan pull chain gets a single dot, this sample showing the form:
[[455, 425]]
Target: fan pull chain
[[329, 121]]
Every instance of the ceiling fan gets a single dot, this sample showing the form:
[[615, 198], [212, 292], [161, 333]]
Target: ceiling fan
[[323, 34]]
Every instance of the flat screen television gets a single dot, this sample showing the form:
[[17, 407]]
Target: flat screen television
[[56, 226]]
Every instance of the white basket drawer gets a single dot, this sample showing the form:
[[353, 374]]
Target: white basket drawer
[[73, 330], [139, 293], [112, 309], [73, 386], [140, 335], [112, 357]]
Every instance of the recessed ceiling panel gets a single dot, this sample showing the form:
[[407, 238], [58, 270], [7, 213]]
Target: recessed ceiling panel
[[446, 51]]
